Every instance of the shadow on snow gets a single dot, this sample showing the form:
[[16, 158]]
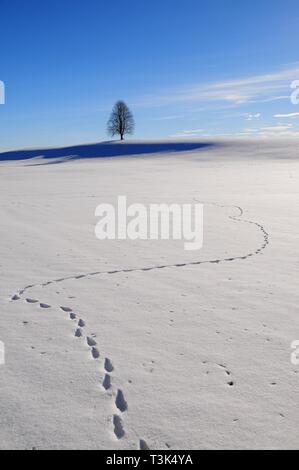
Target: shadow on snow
[[103, 150]]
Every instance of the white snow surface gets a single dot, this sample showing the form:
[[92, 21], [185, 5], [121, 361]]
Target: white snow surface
[[197, 356]]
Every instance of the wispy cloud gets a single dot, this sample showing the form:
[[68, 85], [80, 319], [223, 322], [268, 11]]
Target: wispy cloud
[[170, 118], [256, 88], [282, 134], [290, 115], [251, 117], [277, 131], [250, 130], [189, 133], [277, 128]]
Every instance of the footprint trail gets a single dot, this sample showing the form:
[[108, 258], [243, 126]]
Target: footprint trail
[[120, 402]]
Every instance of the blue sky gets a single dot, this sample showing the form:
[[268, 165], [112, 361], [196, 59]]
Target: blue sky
[[186, 68]]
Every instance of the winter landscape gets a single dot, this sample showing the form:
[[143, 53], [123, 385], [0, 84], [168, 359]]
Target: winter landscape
[[149, 257], [124, 344]]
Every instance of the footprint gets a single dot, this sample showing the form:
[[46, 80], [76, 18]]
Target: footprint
[[95, 353], [66, 309], [118, 427], [106, 382], [44, 305], [143, 445], [31, 301], [15, 297], [90, 341], [78, 333], [72, 316], [81, 323], [120, 401], [231, 384], [225, 369], [108, 366]]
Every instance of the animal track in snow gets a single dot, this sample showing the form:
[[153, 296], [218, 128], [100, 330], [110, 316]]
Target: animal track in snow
[[108, 366], [106, 382], [15, 297], [78, 333], [31, 301], [42, 305], [230, 383], [120, 401], [66, 309], [90, 341], [118, 427], [168, 266], [95, 353], [143, 445], [225, 369]]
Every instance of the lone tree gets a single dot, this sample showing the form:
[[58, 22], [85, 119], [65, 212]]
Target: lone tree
[[121, 121]]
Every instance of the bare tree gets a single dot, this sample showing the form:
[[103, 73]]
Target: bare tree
[[121, 121]]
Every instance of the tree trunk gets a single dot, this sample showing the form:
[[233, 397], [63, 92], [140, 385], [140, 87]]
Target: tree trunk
[[121, 137]]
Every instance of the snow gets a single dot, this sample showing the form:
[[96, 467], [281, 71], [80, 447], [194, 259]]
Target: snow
[[102, 353]]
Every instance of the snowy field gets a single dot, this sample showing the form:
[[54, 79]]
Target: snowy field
[[195, 353]]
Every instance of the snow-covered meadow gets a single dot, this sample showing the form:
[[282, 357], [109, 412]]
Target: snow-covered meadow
[[140, 344]]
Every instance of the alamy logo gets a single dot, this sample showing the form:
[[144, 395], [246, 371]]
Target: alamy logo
[[2, 92], [295, 353], [151, 222], [2, 353], [295, 94]]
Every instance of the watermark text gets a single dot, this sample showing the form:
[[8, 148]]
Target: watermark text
[[295, 353], [151, 222], [2, 92], [2, 353], [295, 94]]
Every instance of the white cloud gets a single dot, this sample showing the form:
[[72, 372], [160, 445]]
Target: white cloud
[[169, 118], [251, 117], [277, 131], [284, 134], [290, 115], [256, 88], [193, 131], [277, 128], [189, 133]]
